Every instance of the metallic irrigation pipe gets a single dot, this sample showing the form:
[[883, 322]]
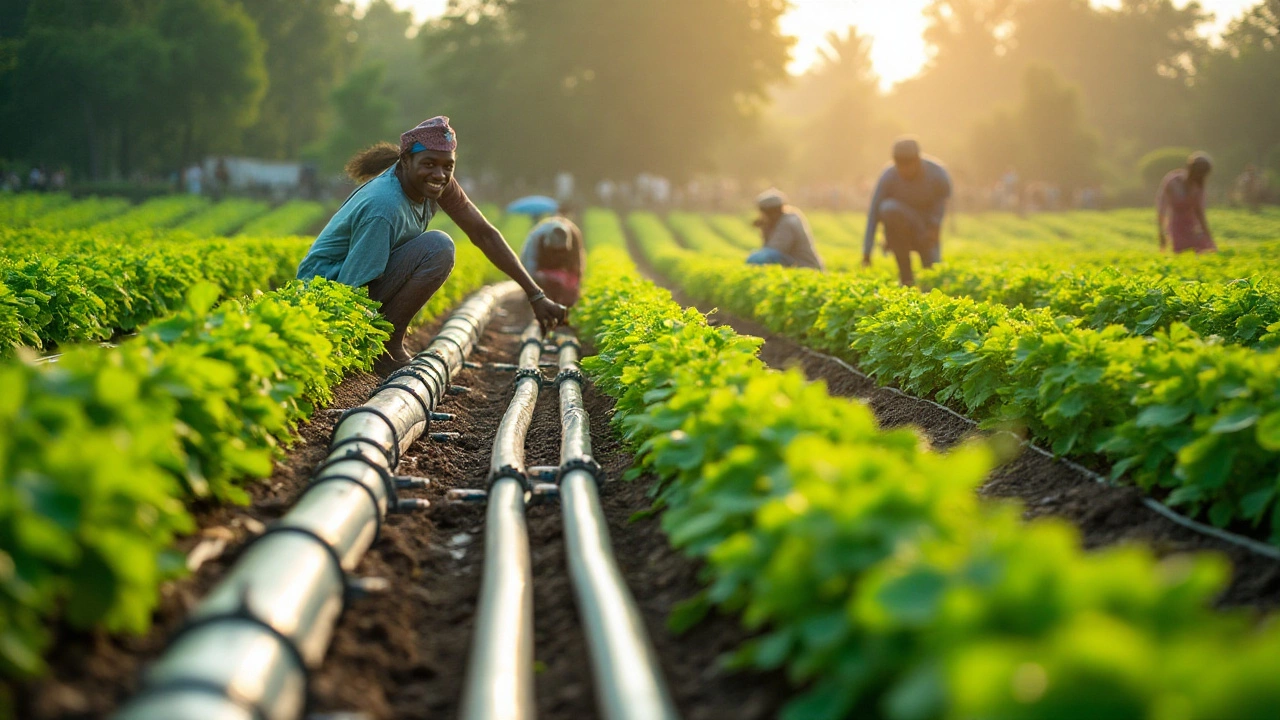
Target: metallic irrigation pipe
[[246, 650], [629, 683], [499, 684]]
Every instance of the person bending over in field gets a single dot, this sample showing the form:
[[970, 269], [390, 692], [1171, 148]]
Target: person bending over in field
[[787, 239], [1180, 207], [911, 201], [379, 239], [555, 254]]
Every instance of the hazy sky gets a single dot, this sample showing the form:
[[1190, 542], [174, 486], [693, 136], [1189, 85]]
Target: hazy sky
[[894, 25]]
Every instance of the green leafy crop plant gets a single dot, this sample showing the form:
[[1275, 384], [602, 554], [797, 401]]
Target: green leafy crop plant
[[1188, 418], [872, 574]]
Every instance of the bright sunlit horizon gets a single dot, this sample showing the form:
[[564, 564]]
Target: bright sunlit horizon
[[895, 27]]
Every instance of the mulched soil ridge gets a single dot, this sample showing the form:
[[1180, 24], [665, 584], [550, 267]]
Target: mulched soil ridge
[[402, 653], [1104, 515]]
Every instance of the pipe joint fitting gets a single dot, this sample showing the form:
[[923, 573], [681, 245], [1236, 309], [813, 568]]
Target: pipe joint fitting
[[512, 472], [586, 464]]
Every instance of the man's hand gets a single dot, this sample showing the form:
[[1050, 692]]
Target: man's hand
[[866, 261], [549, 313]]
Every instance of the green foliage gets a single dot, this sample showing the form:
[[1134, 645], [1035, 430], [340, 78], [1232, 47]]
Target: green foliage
[[226, 218], [572, 88], [872, 573], [77, 288], [153, 214], [293, 218], [101, 450], [1178, 414], [1160, 162], [364, 115]]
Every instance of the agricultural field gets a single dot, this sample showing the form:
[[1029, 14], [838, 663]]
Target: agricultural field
[[1041, 485]]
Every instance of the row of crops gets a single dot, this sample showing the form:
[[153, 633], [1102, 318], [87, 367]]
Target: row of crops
[[877, 579], [93, 269], [1170, 380], [103, 453]]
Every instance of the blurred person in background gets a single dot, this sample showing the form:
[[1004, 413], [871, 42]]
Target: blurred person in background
[[378, 239], [787, 238], [1180, 207], [555, 255], [194, 178], [911, 201], [1251, 187]]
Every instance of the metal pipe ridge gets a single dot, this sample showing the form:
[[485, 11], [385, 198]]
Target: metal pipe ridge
[[629, 682], [499, 680], [246, 650]]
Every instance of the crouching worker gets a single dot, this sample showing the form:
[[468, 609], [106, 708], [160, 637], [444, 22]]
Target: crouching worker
[[379, 239], [911, 200], [787, 239], [555, 255]]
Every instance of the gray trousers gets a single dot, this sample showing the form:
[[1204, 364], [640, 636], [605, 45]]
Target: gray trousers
[[905, 231], [415, 271]]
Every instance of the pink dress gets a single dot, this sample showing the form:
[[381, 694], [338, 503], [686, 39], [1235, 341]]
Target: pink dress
[[1178, 205]]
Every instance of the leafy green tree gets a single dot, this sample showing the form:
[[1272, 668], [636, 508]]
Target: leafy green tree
[[79, 90], [1058, 143], [364, 116], [1046, 137], [305, 53], [844, 136], [650, 87], [1237, 105], [217, 75], [388, 36], [1133, 63]]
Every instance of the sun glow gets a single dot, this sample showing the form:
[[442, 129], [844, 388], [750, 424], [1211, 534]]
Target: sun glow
[[895, 27]]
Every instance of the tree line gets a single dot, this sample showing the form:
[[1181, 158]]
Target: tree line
[[1063, 90]]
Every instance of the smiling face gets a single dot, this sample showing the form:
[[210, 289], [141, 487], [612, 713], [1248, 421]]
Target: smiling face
[[428, 172]]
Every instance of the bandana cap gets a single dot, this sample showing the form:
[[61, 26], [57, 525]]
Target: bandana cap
[[433, 134]]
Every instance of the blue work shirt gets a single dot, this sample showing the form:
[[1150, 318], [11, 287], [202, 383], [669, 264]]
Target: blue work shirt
[[927, 194], [378, 217]]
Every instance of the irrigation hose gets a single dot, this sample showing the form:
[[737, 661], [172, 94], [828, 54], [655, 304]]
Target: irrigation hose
[[499, 682], [247, 649], [628, 677]]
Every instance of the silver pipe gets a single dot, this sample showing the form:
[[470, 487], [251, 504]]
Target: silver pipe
[[499, 684], [248, 647], [628, 677]]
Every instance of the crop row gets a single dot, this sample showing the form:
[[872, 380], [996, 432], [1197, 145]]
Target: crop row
[[157, 213], [1146, 298], [1244, 311], [1191, 420], [91, 290], [225, 218], [103, 450], [293, 218], [873, 575], [19, 210]]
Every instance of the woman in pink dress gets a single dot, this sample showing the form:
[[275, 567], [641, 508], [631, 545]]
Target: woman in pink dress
[[1180, 207]]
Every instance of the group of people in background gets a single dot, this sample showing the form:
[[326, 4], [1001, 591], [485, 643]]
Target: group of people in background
[[38, 180], [910, 201]]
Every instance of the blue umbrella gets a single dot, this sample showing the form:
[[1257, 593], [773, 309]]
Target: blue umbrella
[[534, 205]]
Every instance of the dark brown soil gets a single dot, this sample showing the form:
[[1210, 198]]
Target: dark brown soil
[[402, 653], [1105, 515]]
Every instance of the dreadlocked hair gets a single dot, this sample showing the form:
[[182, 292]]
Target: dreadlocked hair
[[370, 162]]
